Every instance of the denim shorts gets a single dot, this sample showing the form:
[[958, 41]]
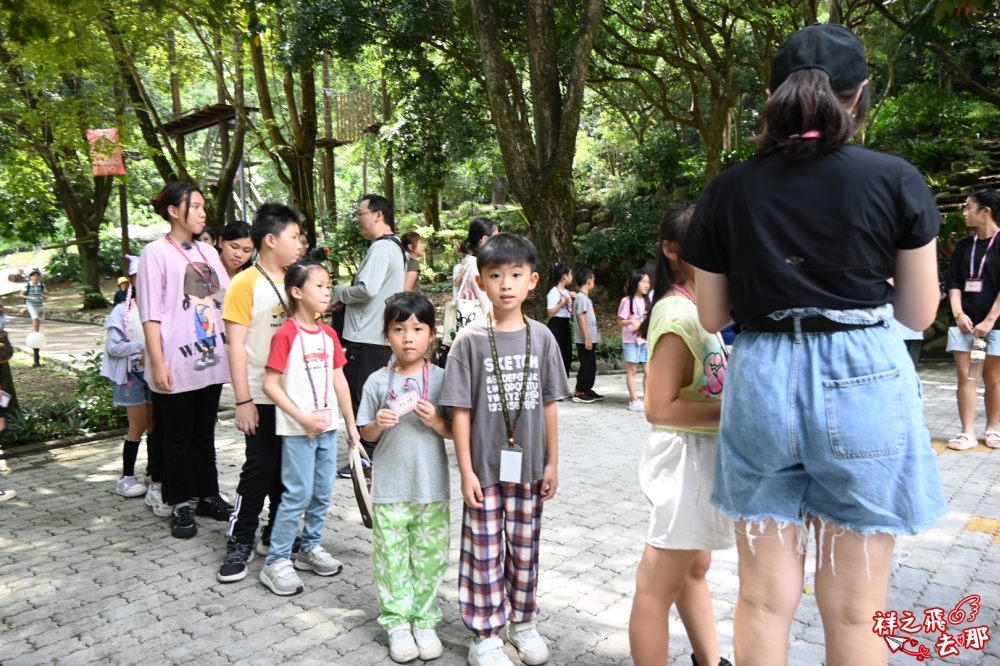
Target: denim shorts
[[962, 342], [828, 426], [134, 393], [636, 352]]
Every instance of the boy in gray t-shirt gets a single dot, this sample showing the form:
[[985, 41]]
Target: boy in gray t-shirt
[[500, 390], [586, 337]]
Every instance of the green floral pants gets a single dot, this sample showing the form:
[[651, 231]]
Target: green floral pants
[[410, 560]]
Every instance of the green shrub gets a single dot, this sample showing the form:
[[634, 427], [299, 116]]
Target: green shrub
[[610, 347], [615, 251]]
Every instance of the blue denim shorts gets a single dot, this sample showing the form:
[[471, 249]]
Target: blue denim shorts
[[828, 426], [962, 342], [636, 352], [134, 393]]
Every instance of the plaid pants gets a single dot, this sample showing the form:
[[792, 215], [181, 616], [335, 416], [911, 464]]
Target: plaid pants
[[491, 577]]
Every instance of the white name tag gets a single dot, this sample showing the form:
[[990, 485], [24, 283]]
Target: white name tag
[[973, 286], [510, 464], [404, 404], [326, 415]]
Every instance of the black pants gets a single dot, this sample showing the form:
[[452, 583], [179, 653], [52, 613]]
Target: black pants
[[362, 360], [260, 478], [564, 338], [154, 451], [588, 368], [186, 422]]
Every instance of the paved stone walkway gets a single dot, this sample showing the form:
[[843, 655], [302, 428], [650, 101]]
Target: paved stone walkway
[[87, 577]]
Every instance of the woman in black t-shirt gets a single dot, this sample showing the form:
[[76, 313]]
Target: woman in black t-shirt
[[822, 425], [973, 285]]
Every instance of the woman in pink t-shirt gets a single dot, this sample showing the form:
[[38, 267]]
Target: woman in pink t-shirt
[[181, 283], [631, 312]]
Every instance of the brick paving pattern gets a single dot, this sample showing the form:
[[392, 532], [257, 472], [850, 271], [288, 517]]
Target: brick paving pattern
[[88, 577]]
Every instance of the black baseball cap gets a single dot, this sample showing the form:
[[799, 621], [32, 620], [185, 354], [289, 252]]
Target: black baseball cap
[[827, 46]]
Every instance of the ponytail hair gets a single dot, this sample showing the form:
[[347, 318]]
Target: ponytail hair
[[665, 276], [479, 228], [805, 118], [176, 194], [556, 273]]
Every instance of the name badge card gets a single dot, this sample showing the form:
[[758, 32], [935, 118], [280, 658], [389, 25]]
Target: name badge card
[[325, 414], [403, 404], [973, 286], [510, 464]]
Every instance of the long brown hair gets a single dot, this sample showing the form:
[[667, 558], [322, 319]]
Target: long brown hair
[[672, 229]]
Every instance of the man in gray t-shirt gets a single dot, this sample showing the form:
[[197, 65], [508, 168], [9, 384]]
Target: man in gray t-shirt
[[382, 273]]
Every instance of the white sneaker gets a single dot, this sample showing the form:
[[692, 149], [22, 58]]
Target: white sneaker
[[319, 562], [402, 648], [488, 652], [129, 486], [636, 406], [154, 500], [280, 578], [530, 647], [428, 643]]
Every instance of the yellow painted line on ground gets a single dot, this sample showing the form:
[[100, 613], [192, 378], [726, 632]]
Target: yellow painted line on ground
[[984, 525]]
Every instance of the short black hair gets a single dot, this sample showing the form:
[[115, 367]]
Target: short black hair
[[35, 271], [401, 306], [379, 204], [507, 248], [272, 218], [582, 275]]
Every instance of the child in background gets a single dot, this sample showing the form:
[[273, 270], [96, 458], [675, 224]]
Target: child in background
[[122, 363], [678, 466], [559, 303], [414, 245], [631, 312], [586, 336], [503, 379], [305, 367], [34, 297], [410, 484]]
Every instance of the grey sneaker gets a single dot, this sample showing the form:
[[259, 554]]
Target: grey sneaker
[[428, 643], [401, 646], [280, 578], [129, 486], [319, 562], [529, 645]]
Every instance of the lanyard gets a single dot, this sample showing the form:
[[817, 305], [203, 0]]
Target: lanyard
[[213, 286], [685, 292], [499, 376], [273, 286], [326, 366], [392, 377], [972, 257]]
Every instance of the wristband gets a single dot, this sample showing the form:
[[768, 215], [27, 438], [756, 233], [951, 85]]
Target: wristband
[[244, 402]]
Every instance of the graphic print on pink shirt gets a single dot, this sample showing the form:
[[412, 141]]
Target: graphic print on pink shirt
[[199, 280]]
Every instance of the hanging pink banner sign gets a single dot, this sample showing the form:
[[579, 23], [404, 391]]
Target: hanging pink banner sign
[[106, 152]]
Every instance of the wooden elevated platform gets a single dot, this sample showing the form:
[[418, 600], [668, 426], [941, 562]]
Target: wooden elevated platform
[[202, 118]]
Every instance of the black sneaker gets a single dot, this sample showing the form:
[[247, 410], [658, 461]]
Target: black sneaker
[[583, 396], [722, 661], [214, 507], [264, 545], [234, 568], [344, 472], [596, 396], [182, 525]]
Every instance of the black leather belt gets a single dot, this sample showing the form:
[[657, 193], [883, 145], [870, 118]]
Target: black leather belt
[[807, 325]]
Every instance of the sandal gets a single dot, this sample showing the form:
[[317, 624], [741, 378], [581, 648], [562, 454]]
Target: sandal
[[992, 438], [963, 441]]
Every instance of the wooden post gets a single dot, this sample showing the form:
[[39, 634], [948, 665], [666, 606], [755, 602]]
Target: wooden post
[[123, 204], [390, 190], [329, 176], [175, 89], [220, 95]]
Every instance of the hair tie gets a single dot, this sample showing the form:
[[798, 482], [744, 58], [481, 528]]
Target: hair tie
[[811, 134]]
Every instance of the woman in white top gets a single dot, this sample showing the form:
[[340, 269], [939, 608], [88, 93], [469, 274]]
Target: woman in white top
[[480, 229], [559, 303]]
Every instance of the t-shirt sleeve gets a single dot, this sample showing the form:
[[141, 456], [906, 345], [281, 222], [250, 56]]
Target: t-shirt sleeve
[[552, 299], [238, 305], [921, 217], [956, 268], [412, 266], [457, 388], [281, 347], [371, 401], [623, 312], [339, 357], [581, 304], [705, 244], [150, 283]]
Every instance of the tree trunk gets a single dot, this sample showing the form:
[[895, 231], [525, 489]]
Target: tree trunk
[[432, 218]]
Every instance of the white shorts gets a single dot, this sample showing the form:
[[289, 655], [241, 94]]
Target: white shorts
[[676, 475], [35, 311]]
